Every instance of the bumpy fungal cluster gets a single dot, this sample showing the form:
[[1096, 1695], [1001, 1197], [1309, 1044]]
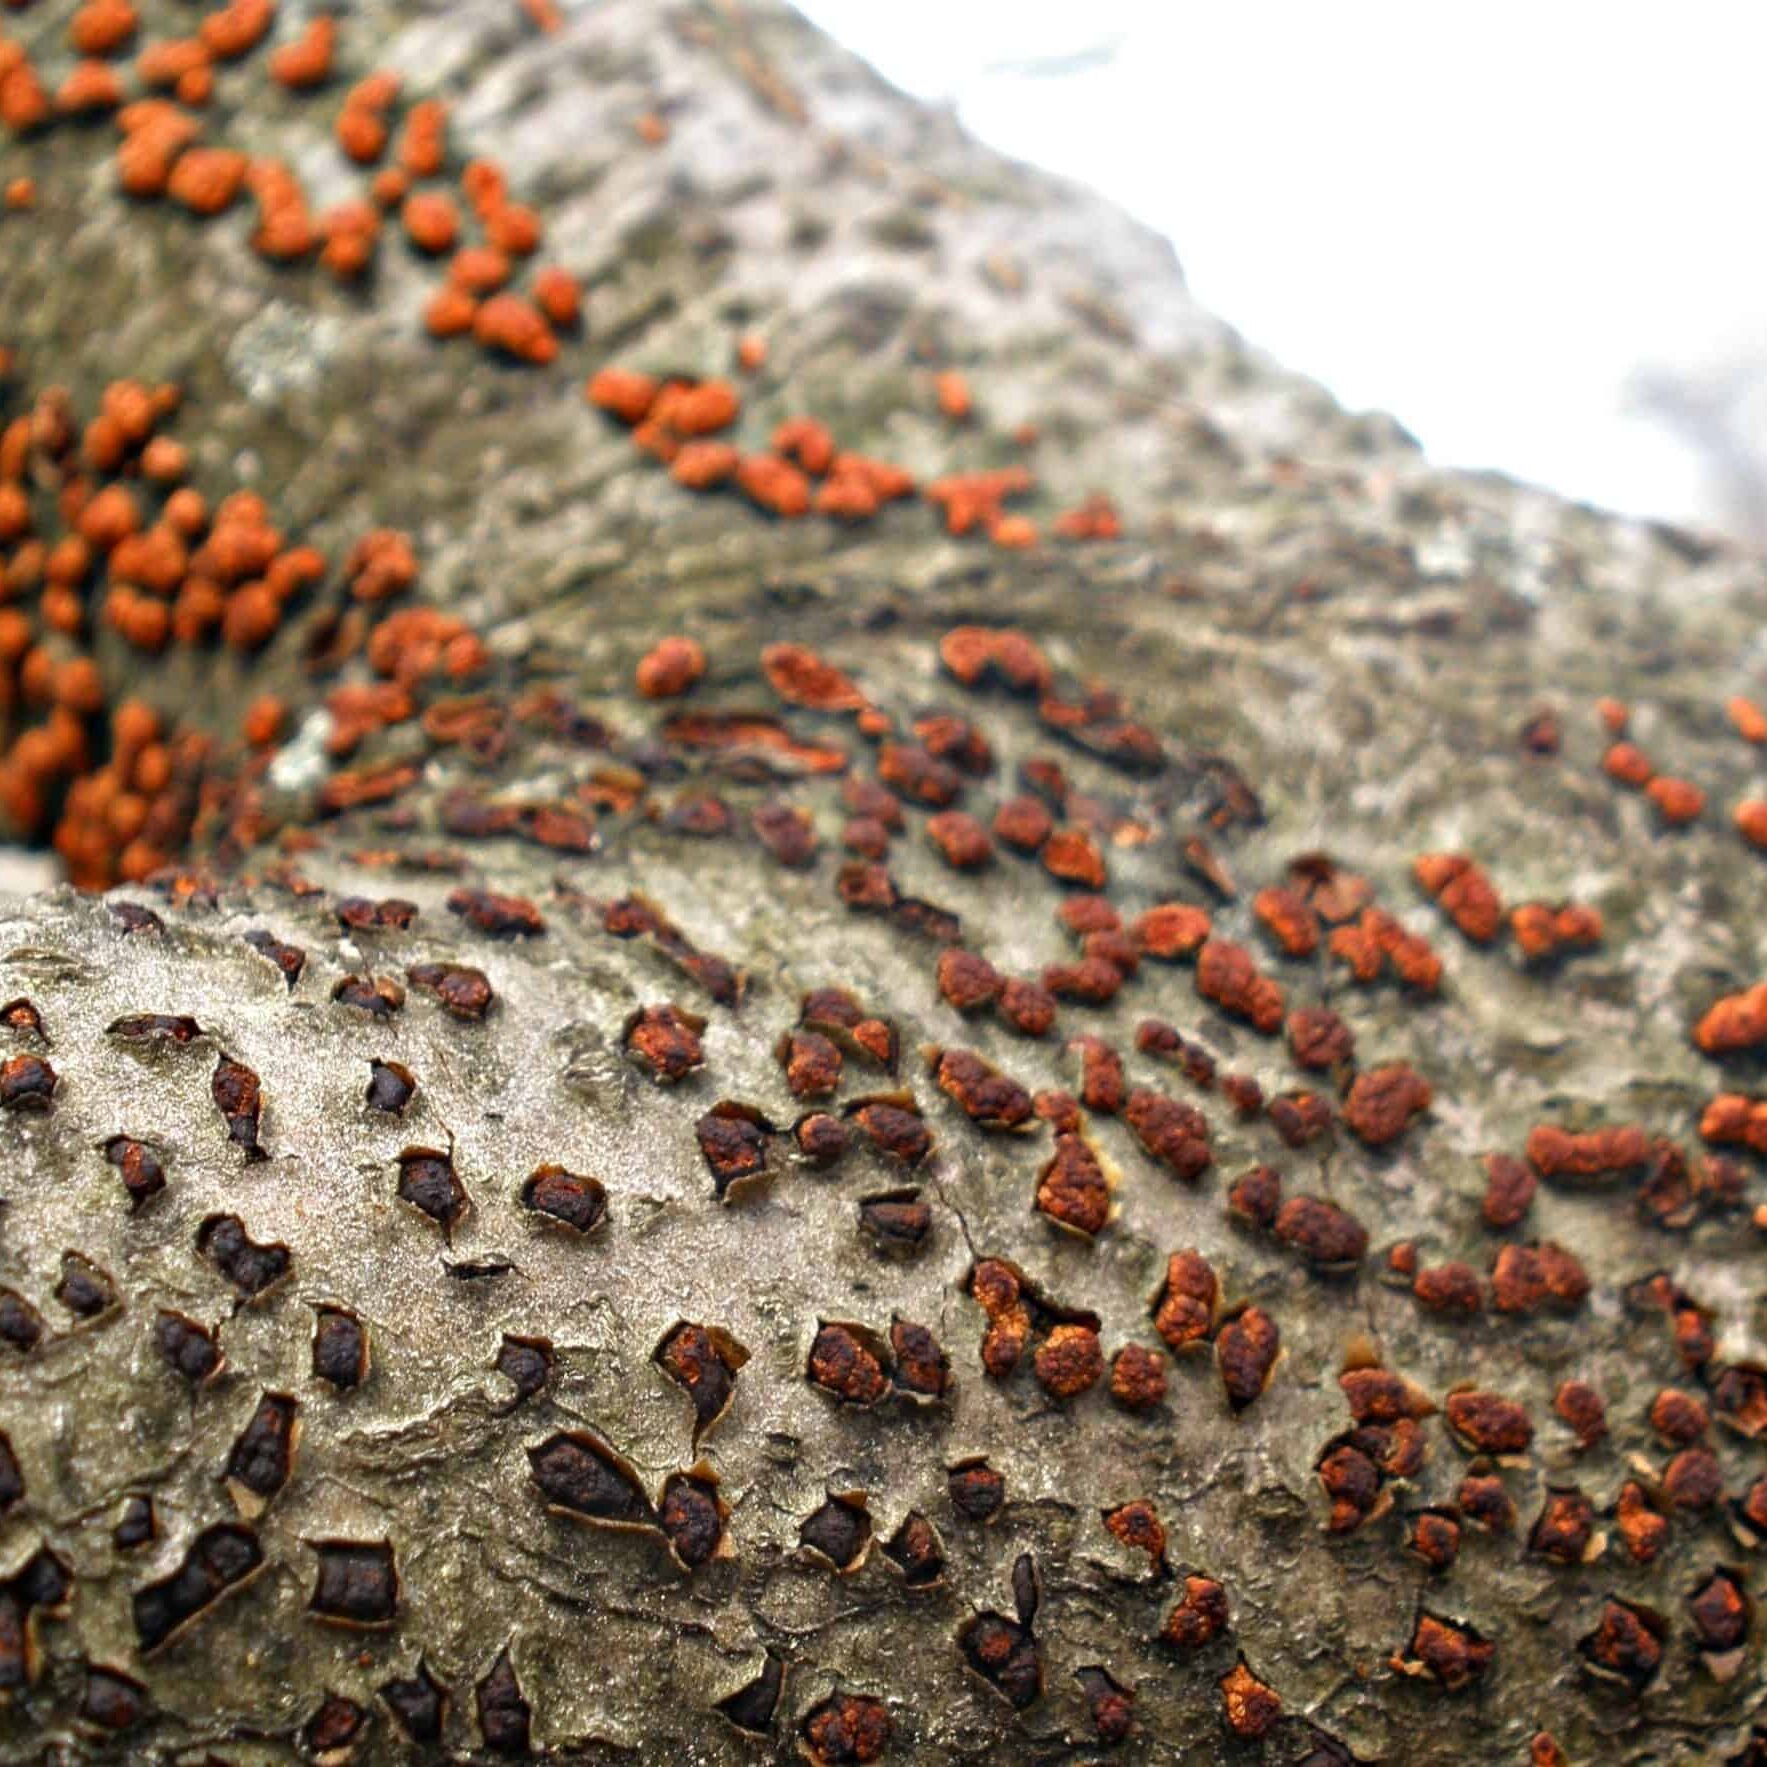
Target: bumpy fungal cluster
[[122, 73], [105, 502], [100, 533], [830, 1152]]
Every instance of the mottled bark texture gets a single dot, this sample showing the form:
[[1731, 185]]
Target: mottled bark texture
[[410, 1344]]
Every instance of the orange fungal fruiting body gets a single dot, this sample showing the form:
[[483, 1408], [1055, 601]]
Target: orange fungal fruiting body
[[1748, 717], [306, 62], [954, 395], [1734, 1023], [672, 667], [423, 145], [513, 325], [1542, 932], [1593, 1153], [1678, 801], [237, 28], [558, 296], [625, 395], [1750, 817], [1628, 764], [1464, 890]]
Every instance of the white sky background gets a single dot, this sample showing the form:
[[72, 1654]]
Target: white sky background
[[1487, 219]]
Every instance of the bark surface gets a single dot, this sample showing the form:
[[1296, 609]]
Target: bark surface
[[1335, 647]]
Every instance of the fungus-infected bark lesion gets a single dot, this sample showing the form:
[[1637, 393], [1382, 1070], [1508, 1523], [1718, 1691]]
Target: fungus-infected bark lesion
[[219, 1562]]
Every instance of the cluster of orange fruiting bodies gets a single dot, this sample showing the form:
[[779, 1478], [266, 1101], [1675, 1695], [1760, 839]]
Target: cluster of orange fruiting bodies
[[1540, 930], [156, 92], [101, 534], [156, 99], [1678, 801], [803, 471]]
